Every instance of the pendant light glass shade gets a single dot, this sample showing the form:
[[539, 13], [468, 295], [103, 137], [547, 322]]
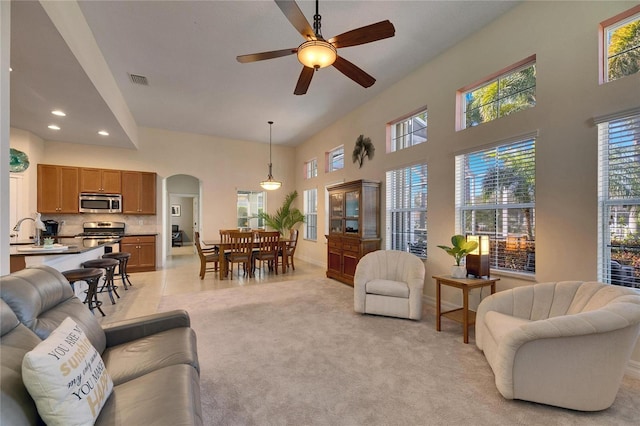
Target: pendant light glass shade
[[270, 183]]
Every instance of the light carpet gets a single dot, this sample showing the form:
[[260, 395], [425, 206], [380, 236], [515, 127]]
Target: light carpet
[[295, 353]]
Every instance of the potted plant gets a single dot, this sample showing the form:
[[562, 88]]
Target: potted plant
[[285, 218], [459, 249]]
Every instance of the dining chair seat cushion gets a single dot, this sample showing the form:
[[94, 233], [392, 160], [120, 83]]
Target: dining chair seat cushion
[[388, 288], [66, 377]]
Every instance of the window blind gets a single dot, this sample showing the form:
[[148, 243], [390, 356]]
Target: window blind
[[619, 200], [311, 214], [406, 200], [495, 196]]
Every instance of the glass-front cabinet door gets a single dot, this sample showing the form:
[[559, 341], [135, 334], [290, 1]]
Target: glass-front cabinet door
[[352, 212], [337, 211]]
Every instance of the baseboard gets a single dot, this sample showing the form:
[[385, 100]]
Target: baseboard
[[633, 367]]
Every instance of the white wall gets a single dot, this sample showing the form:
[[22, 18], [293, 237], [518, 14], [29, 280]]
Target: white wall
[[564, 36]]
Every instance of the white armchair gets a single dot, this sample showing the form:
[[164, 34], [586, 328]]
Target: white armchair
[[389, 283], [565, 344]]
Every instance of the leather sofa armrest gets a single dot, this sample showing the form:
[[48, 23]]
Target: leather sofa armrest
[[136, 328]]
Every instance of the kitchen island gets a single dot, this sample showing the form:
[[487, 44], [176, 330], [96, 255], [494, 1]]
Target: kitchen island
[[75, 252]]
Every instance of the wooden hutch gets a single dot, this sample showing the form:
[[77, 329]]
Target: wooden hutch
[[354, 226]]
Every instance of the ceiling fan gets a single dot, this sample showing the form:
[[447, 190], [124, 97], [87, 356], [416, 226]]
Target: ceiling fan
[[316, 52]]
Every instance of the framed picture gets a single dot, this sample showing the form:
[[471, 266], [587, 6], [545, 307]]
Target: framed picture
[[175, 210]]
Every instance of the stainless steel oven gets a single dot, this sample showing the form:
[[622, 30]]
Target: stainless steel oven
[[100, 203], [106, 233]]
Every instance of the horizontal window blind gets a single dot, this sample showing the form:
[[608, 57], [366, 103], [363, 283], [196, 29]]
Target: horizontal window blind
[[311, 214], [406, 200], [619, 196], [495, 196]]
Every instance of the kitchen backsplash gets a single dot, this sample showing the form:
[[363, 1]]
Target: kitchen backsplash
[[72, 224]]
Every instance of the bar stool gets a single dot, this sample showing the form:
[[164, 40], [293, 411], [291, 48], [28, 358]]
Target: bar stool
[[91, 276], [109, 266], [123, 258]]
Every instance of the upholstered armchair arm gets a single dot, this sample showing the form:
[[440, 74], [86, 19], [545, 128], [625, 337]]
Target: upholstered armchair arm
[[136, 328], [363, 275], [499, 302]]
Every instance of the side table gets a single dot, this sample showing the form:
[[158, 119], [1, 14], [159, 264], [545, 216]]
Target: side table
[[462, 315]]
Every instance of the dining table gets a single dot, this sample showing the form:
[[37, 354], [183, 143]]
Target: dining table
[[224, 246]]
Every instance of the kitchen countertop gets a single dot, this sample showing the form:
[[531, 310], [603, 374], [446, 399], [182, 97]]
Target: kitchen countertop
[[75, 247]]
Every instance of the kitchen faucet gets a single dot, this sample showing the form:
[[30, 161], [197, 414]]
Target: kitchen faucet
[[38, 224]]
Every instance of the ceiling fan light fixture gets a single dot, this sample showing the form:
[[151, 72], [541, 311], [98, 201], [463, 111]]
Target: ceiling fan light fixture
[[317, 54]]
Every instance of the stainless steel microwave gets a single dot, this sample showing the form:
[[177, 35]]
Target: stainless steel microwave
[[100, 203]]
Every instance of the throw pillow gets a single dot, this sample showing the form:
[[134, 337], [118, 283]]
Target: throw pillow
[[66, 377]]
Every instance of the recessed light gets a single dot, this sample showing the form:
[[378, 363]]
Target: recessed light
[[53, 127], [58, 113], [103, 133]]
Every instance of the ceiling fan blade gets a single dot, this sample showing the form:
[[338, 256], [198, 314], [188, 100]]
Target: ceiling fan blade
[[253, 57], [362, 35], [304, 81], [297, 19], [353, 72]]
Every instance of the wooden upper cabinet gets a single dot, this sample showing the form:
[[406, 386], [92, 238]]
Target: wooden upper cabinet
[[100, 181], [138, 192], [57, 189]]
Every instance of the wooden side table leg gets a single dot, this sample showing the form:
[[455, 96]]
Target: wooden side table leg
[[438, 307], [465, 314]]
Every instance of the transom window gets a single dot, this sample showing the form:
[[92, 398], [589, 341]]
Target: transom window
[[408, 132], [495, 196], [249, 204], [619, 200], [407, 210], [512, 90], [335, 159], [311, 214], [621, 53], [311, 169]]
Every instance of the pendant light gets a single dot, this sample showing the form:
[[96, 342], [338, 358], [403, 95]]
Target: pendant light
[[270, 184]]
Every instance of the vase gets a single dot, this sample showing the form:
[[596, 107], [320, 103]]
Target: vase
[[458, 271]]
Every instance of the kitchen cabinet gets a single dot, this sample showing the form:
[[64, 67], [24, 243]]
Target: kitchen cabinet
[[57, 189], [354, 226], [143, 252], [100, 181], [138, 192]]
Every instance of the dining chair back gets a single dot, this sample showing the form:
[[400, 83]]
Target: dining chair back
[[268, 246], [291, 247], [206, 255], [240, 251]]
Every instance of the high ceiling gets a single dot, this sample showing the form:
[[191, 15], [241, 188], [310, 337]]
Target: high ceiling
[[187, 50]]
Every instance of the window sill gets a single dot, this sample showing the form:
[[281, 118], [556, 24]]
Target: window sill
[[517, 275]]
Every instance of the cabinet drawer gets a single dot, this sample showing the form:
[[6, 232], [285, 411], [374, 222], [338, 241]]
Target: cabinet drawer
[[333, 243], [137, 240], [351, 246]]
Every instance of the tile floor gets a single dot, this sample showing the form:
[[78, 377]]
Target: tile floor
[[180, 275]]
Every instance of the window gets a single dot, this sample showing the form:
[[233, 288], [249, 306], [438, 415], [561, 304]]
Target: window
[[512, 90], [495, 196], [249, 205], [408, 132], [619, 200], [407, 210], [620, 47], [311, 169], [311, 214], [335, 159]]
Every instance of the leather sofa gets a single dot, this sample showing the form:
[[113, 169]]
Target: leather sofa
[[389, 282], [152, 360], [565, 344]]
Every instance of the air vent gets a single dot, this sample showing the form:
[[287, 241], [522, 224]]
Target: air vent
[[139, 79]]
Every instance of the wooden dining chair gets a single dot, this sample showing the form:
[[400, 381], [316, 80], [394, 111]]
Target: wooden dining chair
[[207, 255], [268, 246], [240, 251], [291, 249]]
